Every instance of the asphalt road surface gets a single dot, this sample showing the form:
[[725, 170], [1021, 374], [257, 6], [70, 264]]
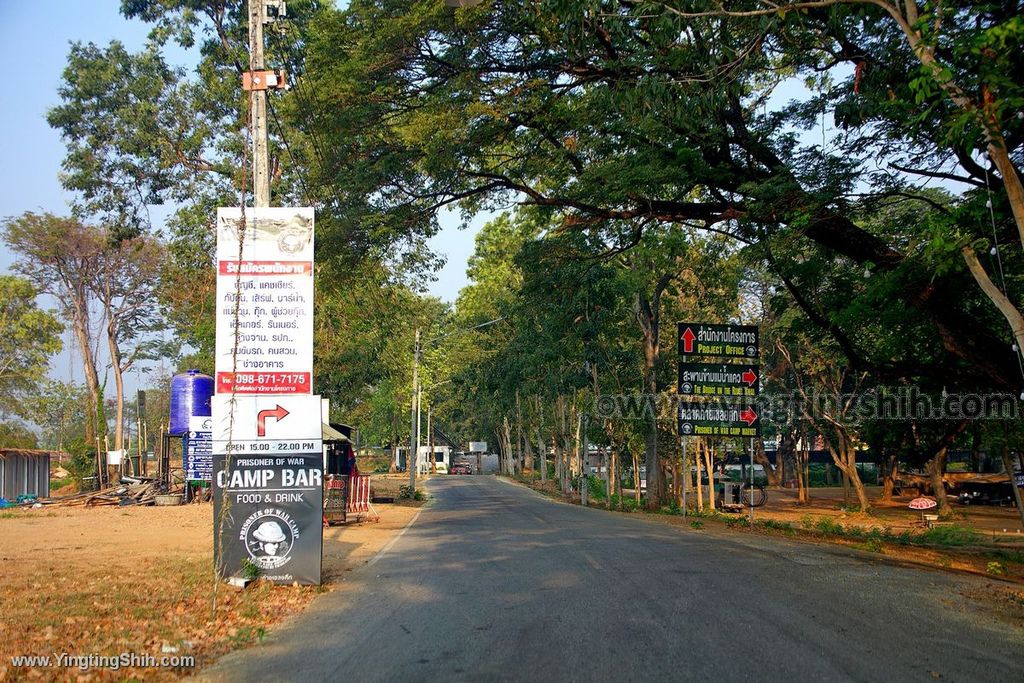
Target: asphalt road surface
[[494, 582]]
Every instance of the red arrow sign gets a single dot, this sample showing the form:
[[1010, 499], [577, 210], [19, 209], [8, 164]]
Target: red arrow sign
[[688, 337], [749, 376], [261, 417], [749, 416]]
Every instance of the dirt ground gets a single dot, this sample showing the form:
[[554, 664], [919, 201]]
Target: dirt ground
[[1002, 522], [113, 580]]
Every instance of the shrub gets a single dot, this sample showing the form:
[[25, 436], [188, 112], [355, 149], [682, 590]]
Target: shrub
[[951, 535], [595, 487], [996, 568], [829, 527]]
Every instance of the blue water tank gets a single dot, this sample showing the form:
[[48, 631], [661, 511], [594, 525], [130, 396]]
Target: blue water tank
[[190, 397]]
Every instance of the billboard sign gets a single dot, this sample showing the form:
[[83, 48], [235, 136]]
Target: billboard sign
[[264, 301], [268, 485]]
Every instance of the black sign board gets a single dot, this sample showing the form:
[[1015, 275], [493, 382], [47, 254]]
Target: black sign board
[[714, 418], [728, 341], [273, 518], [718, 379]]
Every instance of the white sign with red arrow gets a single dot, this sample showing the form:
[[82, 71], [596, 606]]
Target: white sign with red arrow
[[282, 423]]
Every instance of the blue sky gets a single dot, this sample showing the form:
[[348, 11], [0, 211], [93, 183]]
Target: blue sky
[[34, 41]]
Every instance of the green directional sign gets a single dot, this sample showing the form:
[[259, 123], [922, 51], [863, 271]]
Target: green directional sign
[[714, 418], [729, 341], [718, 379]]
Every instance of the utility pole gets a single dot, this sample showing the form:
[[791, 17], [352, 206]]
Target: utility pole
[[430, 438], [258, 109], [411, 461]]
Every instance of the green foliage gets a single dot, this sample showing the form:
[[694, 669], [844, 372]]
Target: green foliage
[[16, 435], [250, 570], [995, 568], [950, 535], [28, 337], [409, 493], [595, 488]]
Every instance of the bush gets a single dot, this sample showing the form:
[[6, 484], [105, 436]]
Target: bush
[[595, 487], [407, 492], [951, 535], [995, 568], [828, 527]]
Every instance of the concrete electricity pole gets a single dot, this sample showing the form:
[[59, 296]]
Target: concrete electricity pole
[[258, 109], [411, 461]]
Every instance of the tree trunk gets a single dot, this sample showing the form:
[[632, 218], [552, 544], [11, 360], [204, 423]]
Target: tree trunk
[[845, 458], [995, 295], [648, 315], [710, 455], [700, 484], [80, 323], [1004, 452], [772, 472], [542, 455], [936, 467], [116, 366], [519, 434], [890, 467], [636, 477]]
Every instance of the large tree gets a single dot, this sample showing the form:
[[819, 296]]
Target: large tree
[[28, 338], [632, 111], [61, 256]]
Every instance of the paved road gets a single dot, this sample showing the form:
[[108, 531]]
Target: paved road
[[494, 582]]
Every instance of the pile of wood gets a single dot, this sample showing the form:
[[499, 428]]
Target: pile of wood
[[137, 493]]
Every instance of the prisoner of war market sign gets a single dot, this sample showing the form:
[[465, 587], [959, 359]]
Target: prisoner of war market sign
[[729, 341], [268, 486], [718, 418], [265, 275]]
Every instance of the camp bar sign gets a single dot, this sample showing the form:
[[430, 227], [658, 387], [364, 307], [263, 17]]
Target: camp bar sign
[[728, 341], [712, 418], [718, 379]]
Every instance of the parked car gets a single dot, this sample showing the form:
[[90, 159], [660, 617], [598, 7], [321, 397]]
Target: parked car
[[460, 468]]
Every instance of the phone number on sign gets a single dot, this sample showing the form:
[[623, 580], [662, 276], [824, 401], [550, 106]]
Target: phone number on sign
[[259, 382]]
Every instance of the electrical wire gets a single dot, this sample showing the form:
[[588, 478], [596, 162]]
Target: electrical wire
[[999, 262]]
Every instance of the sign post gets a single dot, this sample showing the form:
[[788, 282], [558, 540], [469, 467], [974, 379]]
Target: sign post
[[267, 438], [719, 393]]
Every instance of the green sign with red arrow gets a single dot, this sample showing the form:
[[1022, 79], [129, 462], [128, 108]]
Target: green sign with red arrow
[[718, 379], [713, 418], [728, 341]]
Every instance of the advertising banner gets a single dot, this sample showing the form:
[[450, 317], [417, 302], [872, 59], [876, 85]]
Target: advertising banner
[[264, 301], [198, 449], [268, 486], [269, 510]]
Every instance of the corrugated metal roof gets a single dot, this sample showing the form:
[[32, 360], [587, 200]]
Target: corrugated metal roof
[[28, 453]]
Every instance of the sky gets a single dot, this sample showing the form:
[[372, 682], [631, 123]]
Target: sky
[[34, 41]]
